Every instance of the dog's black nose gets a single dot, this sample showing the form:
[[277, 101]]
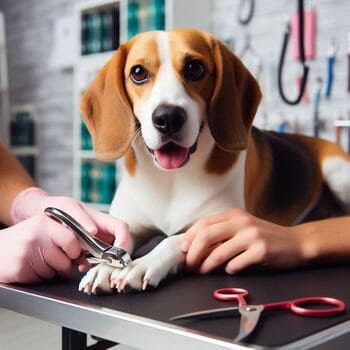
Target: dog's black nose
[[168, 119]]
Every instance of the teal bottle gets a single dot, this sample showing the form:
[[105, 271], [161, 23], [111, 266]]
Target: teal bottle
[[133, 19], [106, 30], [107, 183], [85, 182], [156, 15]]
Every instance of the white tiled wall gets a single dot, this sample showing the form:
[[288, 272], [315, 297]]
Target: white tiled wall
[[30, 36], [266, 30]]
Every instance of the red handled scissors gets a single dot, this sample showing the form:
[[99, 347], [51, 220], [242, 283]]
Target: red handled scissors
[[250, 314]]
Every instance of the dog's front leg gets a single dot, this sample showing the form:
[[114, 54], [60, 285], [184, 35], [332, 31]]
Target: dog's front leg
[[153, 267], [148, 270]]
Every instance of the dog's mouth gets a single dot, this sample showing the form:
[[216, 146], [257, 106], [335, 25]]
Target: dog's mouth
[[173, 156]]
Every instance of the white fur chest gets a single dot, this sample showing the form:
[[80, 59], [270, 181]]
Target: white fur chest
[[172, 200]]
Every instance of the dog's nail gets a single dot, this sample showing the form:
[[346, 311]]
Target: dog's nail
[[117, 284], [144, 284], [87, 288], [123, 285], [120, 286], [185, 245]]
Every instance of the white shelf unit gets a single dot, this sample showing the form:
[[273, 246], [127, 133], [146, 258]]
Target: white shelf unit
[[177, 13], [4, 95]]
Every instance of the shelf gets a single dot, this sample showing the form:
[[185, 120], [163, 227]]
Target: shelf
[[98, 206], [94, 59], [24, 150], [85, 154], [342, 123], [88, 5]]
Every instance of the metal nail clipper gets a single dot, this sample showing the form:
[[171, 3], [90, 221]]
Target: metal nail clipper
[[97, 250]]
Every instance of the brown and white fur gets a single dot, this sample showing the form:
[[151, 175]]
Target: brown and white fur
[[219, 162]]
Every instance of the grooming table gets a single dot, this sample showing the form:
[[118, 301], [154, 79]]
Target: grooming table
[[141, 319]]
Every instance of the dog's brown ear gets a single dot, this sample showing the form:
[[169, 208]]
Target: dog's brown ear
[[107, 112], [234, 101]]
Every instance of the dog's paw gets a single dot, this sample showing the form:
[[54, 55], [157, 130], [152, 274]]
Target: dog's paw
[[98, 279], [150, 269], [138, 275]]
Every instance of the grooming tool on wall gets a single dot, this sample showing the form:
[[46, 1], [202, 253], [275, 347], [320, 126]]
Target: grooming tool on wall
[[316, 107], [339, 125], [349, 132], [251, 58], [97, 250], [250, 314], [305, 98], [330, 66], [349, 62], [245, 11], [305, 68], [309, 37]]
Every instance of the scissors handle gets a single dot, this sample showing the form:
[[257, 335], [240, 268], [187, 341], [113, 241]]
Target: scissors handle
[[232, 294], [299, 306]]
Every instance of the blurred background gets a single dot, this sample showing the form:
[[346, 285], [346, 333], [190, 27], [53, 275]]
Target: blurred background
[[51, 50]]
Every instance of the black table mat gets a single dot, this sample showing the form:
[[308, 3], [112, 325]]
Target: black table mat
[[191, 292]]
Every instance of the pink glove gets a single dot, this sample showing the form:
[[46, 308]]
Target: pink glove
[[34, 200], [38, 247], [35, 250]]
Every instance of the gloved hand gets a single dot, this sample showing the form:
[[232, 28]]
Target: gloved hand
[[34, 200], [38, 247]]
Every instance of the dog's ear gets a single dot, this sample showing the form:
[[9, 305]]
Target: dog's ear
[[107, 111], [234, 102]]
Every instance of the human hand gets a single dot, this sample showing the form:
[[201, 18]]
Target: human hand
[[36, 249], [33, 201], [238, 240]]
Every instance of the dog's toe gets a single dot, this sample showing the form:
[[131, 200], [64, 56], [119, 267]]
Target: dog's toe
[[97, 280]]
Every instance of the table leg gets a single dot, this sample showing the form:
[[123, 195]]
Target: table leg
[[75, 340]]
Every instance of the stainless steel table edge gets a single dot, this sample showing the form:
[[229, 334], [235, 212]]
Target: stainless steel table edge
[[113, 325], [319, 338]]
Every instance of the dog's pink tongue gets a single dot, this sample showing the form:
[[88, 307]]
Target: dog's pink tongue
[[171, 156]]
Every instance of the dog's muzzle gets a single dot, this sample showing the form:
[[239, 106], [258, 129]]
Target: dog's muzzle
[[169, 119]]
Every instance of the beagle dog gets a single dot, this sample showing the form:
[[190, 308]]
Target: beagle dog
[[179, 106]]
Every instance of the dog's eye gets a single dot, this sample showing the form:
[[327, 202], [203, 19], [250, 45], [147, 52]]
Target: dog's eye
[[138, 74], [194, 70]]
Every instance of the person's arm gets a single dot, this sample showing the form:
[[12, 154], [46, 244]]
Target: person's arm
[[35, 247], [237, 240], [13, 180], [326, 240]]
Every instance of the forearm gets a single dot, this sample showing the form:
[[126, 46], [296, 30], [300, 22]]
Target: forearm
[[14, 179], [326, 240]]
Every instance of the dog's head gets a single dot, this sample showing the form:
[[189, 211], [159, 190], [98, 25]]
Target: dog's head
[[170, 84]]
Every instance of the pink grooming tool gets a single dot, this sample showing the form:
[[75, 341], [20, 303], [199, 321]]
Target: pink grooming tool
[[310, 19]]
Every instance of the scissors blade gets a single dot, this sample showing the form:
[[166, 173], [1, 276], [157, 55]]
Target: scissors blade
[[250, 315], [207, 314]]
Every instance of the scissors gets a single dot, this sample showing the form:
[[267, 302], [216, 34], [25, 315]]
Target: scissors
[[250, 314], [97, 250]]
